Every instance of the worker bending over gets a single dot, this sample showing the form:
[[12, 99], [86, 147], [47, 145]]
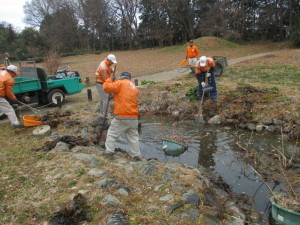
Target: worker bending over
[[126, 111], [7, 83]]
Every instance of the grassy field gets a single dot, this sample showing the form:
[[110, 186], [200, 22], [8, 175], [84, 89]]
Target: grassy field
[[33, 185]]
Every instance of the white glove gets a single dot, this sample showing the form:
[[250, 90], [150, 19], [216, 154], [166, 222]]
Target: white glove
[[208, 75], [203, 84]]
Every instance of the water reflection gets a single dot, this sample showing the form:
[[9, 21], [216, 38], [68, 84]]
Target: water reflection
[[211, 147]]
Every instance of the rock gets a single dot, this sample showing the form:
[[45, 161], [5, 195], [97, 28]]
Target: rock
[[171, 168], [148, 168], [191, 197], [117, 218], [61, 147], [121, 160], [142, 110], [153, 209], [192, 213], [233, 210], [277, 122], [234, 221], [85, 157], [95, 172], [177, 187], [78, 149], [267, 121], [171, 208], [42, 130], [167, 198], [110, 200], [255, 217], [106, 183], [251, 126], [287, 129], [128, 169], [259, 128], [167, 177], [271, 129], [84, 132], [215, 120], [242, 125], [157, 187], [123, 190]]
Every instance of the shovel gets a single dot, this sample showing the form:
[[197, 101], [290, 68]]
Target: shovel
[[36, 111], [106, 111], [199, 117]]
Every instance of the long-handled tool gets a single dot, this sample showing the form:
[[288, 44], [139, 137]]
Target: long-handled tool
[[36, 111], [106, 111]]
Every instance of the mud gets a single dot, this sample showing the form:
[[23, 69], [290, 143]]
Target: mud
[[53, 119], [73, 213], [71, 140]]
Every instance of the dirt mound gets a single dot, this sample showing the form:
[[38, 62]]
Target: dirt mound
[[212, 43]]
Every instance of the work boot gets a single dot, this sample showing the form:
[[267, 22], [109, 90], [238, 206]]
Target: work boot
[[17, 126], [136, 159]]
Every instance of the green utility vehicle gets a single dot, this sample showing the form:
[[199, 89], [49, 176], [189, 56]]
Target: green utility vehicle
[[35, 86]]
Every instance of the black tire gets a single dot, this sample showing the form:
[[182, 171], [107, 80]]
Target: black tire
[[51, 97]]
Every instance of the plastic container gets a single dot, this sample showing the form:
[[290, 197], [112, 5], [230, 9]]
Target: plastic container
[[284, 216], [173, 148], [32, 121]]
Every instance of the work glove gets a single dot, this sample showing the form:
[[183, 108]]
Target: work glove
[[208, 75], [203, 84]]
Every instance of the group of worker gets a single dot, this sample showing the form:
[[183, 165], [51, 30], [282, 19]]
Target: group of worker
[[204, 69], [124, 94]]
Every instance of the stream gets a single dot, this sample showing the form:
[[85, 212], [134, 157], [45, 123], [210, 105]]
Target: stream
[[213, 147]]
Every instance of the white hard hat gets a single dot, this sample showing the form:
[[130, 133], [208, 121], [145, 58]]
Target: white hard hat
[[202, 60], [13, 68], [112, 58]]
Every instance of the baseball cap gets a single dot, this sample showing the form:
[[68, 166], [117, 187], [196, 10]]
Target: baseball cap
[[191, 41], [125, 75], [13, 68], [112, 58], [202, 60]]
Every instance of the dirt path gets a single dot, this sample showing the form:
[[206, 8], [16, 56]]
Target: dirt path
[[167, 75]]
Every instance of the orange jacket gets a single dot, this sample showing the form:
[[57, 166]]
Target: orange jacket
[[209, 64], [192, 52], [103, 71], [6, 85], [125, 97]]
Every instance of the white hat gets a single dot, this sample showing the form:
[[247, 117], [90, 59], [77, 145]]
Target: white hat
[[203, 61], [112, 58], [13, 68]]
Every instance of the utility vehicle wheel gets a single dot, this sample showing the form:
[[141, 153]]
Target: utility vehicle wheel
[[51, 97]]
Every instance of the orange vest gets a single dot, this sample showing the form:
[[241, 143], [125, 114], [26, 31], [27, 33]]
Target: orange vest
[[125, 97], [209, 64], [103, 71], [6, 85], [192, 52]]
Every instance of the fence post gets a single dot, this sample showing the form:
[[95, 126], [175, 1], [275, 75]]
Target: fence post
[[89, 93]]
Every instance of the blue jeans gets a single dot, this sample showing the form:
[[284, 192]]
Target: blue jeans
[[211, 82]]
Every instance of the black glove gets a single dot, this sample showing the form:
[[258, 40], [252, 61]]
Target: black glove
[[14, 102]]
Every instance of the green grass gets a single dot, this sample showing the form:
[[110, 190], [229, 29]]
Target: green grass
[[275, 74]]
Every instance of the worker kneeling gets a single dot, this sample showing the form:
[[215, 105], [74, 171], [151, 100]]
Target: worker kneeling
[[126, 111]]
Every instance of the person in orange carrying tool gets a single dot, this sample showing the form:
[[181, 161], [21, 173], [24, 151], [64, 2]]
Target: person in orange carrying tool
[[103, 72], [206, 77], [126, 111], [192, 54], [6, 86]]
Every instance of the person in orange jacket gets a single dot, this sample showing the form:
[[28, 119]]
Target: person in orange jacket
[[126, 111], [103, 72], [192, 54], [205, 68], [6, 86]]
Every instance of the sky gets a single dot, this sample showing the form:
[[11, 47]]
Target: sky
[[11, 11]]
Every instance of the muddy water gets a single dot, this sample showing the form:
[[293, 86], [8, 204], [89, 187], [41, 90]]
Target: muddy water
[[214, 148]]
